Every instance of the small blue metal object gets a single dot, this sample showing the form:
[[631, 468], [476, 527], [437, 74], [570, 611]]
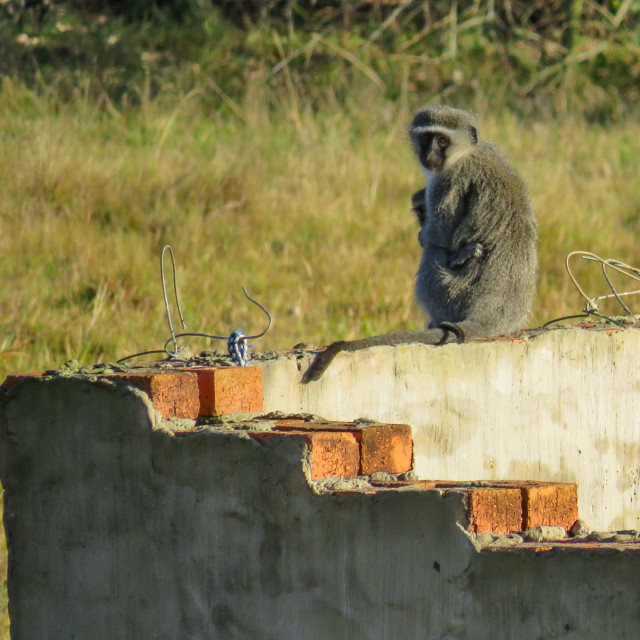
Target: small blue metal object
[[238, 348]]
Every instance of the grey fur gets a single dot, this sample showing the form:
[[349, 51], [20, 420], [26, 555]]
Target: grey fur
[[478, 232], [479, 235]]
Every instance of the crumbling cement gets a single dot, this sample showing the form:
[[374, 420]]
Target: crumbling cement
[[119, 528]]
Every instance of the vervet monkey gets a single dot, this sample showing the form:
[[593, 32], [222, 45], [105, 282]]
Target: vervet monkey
[[477, 276]]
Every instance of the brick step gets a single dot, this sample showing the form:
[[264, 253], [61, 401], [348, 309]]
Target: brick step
[[199, 391], [343, 449], [348, 449], [189, 392], [507, 506]]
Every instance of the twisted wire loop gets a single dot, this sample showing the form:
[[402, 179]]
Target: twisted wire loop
[[237, 342], [169, 249], [591, 306]]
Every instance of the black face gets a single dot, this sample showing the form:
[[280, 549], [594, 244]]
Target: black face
[[431, 147]]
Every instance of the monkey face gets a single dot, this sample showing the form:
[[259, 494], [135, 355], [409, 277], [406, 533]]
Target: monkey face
[[431, 148], [441, 136]]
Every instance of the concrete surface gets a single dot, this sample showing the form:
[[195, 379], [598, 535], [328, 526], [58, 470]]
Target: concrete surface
[[119, 528], [561, 406]]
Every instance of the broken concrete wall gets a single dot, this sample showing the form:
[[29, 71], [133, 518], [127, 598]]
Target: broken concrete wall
[[560, 406], [119, 528]]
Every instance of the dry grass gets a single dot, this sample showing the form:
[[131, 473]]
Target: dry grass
[[310, 211], [297, 208]]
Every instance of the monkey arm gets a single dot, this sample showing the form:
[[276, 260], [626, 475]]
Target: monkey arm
[[445, 333], [471, 251]]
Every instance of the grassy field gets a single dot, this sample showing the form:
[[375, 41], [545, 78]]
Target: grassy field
[[308, 210], [301, 193]]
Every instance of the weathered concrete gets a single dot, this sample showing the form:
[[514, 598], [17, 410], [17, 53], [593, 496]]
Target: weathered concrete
[[118, 528], [561, 406]]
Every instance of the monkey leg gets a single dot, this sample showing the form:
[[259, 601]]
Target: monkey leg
[[446, 332]]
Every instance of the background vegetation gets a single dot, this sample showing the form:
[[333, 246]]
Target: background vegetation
[[266, 141]]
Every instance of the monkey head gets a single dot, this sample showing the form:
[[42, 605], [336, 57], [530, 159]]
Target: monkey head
[[442, 135]]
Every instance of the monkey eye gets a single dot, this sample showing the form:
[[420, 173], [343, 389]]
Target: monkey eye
[[443, 141]]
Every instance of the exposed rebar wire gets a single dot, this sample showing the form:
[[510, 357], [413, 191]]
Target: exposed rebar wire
[[172, 341], [591, 306], [215, 337], [613, 289], [168, 248]]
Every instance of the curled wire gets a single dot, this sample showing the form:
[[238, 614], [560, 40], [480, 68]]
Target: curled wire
[[216, 337], [165, 249], [237, 342], [591, 307]]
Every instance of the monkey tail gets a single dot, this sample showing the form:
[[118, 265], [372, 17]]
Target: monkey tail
[[445, 333], [452, 328]]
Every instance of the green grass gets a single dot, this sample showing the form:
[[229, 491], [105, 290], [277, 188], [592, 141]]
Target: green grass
[[295, 184]]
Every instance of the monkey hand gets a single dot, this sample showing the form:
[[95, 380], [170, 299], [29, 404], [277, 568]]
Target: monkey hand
[[471, 251], [323, 360]]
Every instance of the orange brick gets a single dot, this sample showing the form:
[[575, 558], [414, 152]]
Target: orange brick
[[332, 453], [503, 506], [494, 510], [554, 504], [173, 393], [385, 447], [226, 390]]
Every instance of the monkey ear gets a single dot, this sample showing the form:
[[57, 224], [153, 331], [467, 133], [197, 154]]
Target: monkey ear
[[474, 134]]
